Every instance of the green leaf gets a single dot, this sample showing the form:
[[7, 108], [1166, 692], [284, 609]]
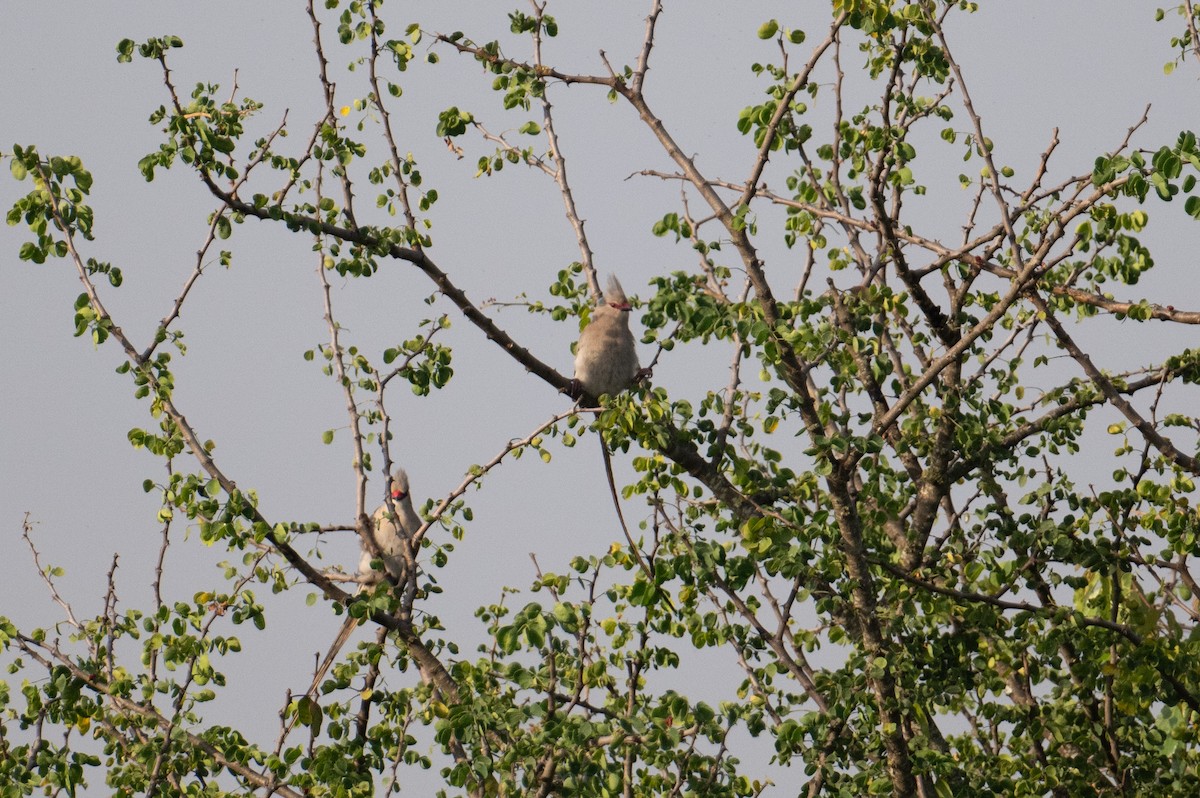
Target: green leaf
[[309, 713], [1192, 206], [1161, 187], [768, 29], [535, 636]]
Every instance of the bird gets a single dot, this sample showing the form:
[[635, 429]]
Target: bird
[[392, 533], [606, 360]]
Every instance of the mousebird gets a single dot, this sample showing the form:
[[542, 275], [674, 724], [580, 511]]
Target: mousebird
[[392, 536], [606, 360]]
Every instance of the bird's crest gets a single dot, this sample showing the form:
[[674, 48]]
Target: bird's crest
[[399, 486], [614, 294]]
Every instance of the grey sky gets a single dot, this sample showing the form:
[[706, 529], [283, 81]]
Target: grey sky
[[1086, 67]]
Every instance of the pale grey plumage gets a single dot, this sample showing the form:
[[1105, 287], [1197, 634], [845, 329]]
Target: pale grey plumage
[[606, 360], [391, 532]]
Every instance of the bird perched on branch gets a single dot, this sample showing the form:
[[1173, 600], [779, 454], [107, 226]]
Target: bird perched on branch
[[392, 533], [606, 360]]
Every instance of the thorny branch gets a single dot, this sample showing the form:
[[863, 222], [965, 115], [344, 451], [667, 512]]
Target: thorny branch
[[1004, 251]]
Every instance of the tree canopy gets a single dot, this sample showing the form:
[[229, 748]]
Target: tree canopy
[[944, 537]]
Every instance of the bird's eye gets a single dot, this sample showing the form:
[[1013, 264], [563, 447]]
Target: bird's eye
[[398, 494]]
